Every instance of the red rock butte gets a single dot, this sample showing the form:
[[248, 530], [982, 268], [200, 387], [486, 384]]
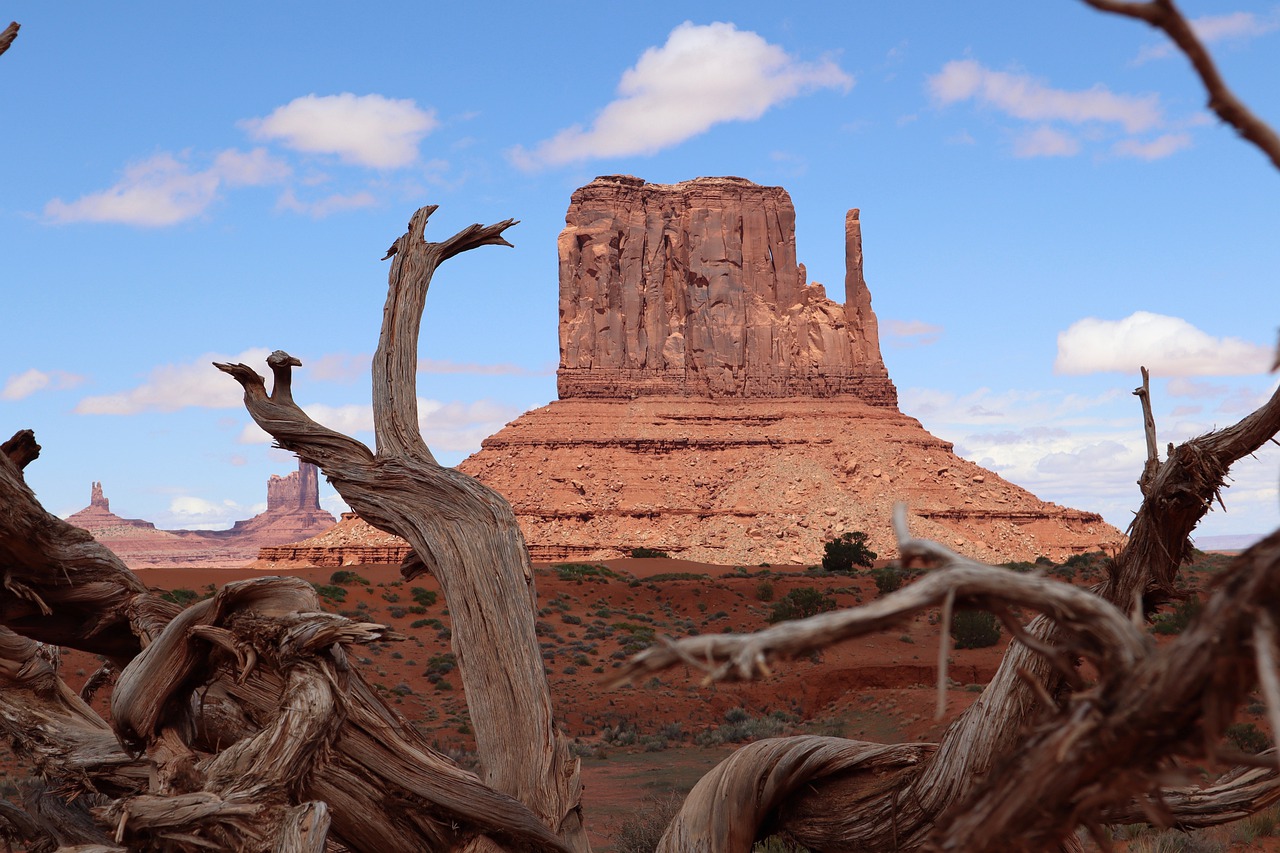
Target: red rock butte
[[717, 406], [293, 511]]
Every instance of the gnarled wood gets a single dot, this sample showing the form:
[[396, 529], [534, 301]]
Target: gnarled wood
[[462, 532]]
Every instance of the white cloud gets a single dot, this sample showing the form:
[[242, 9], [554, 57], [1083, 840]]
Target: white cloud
[[176, 386], [1024, 97], [434, 365], [366, 130], [1231, 26], [1168, 346], [338, 367], [19, 386], [1044, 141], [321, 208], [189, 512], [702, 76], [911, 333], [165, 190], [450, 426], [1155, 149]]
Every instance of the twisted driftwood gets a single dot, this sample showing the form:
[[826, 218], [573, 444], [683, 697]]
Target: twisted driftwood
[[241, 722]]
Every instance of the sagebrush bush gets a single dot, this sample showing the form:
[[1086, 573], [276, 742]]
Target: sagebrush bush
[[974, 629], [801, 603]]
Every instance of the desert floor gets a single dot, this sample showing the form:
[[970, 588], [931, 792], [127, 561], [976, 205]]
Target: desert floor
[[642, 741]]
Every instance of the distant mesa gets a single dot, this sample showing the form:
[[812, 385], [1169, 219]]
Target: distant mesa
[[716, 405], [293, 511]]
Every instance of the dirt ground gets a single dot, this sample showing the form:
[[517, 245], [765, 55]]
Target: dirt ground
[[642, 740]]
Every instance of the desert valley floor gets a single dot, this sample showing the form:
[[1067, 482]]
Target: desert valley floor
[[641, 741]]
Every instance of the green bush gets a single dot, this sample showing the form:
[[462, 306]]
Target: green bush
[[1175, 622], [330, 593], [764, 591], [888, 579], [846, 551], [345, 577], [801, 603], [640, 553], [423, 596], [181, 597], [974, 629], [1247, 737]]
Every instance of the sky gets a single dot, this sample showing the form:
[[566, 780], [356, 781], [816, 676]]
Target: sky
[[1046, 205]]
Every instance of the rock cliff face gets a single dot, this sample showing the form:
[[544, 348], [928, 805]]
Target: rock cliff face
[[693, 289], [293, 511], [716, 406]]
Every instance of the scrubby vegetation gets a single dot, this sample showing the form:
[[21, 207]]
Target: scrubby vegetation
[[847, 552]]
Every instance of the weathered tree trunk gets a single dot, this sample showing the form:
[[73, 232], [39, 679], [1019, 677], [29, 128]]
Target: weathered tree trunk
[[461, 531]]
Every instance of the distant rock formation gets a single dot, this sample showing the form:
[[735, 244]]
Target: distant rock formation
[[716, 406], [693, 289], [351, 542], [293, 511]]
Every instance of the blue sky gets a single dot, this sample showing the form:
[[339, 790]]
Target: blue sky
[[1045, 205]]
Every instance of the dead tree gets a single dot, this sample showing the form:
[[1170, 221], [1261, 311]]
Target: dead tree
[[242, 722], [10, 33]]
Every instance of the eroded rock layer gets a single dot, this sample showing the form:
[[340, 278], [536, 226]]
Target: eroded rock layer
[[752, 481], [693, 289], [716, 406]]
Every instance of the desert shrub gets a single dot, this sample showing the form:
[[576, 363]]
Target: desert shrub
[[1175, 622], [398, 612], [584, 572], [1020, 566], [778, 844], [846, 551], [331, 593], [641, 831], [974, 629], [1247, 737], [422, 596], [346, 577], [438, 666], [181, 597], [764, 591], [677, 576], [640, 553], [888, 579], [801, 603], [740, 726]]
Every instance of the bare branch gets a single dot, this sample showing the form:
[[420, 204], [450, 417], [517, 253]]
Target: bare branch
[[10, 33], [1103, 632], [1143, 393], [395, 364], [1164, 15]]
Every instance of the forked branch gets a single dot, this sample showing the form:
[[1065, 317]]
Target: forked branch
[[1164, 15]]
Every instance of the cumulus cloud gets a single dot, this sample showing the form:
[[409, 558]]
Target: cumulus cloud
[[1169, 346], [366, 130], [1044, 141], [1231, 26], [188, 512], [319, 209], [165, 189], [702, 76], [433, 365], [177, 386], [911, 333], [1154, 149], [1024, 97], [19, 386], [452, 426]]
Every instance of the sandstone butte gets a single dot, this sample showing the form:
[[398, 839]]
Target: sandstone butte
[[716, 405], [293, 511]]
